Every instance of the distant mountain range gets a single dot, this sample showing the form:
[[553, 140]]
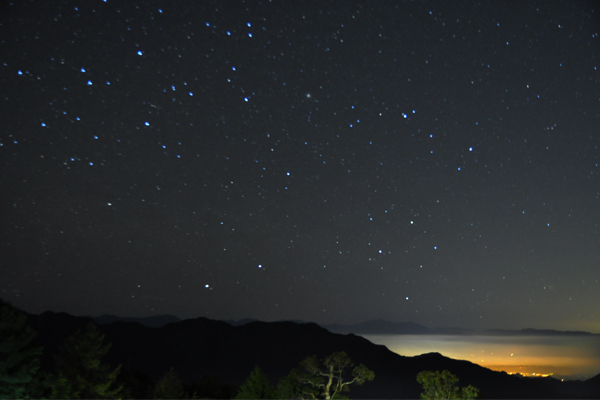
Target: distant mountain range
[[537, 332], [157, 321], [371, 327], [201, 346], [383, 327]]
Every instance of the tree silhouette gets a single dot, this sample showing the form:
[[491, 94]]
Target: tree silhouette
[[288, 387], [212, 387], [444, 385], [20, 375], [81, 372], [327, 380], [257, 386], [169, 387]]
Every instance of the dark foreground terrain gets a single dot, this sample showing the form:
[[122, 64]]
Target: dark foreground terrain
[[201, 346]]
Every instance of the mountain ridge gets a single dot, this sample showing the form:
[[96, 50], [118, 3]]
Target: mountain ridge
[[201, 346], [381, 326], [373, 326], [155, 321]]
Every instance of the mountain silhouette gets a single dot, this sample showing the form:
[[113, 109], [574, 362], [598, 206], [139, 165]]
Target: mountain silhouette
[[537, 332], [383, 327], [156, 321], [201, 346]]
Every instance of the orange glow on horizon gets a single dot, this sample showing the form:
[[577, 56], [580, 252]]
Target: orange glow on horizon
[[525, 355]]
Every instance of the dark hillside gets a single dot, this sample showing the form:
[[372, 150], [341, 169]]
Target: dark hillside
[[201, 346]]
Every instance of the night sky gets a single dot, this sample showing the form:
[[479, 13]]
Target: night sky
[[328, 161]]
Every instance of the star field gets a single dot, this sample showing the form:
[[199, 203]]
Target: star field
[[326, 161]]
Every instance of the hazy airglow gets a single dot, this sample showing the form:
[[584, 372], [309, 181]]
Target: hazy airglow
[[574, 357]]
